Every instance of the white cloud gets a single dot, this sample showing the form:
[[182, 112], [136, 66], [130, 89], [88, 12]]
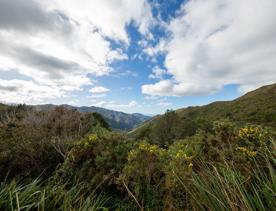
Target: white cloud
[[169, 88], [98, 103], [218, 42], [131, 104], [96, 96], [151, 97], [113, 105], [62, 44], [164, 104], [30, 92], [157, 49], [125, 73], [111, 17], [73, 102], [58, 48], [157, 73], [98, 90]]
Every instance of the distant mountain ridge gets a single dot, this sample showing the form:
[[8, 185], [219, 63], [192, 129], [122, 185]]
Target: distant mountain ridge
[[117, 120]]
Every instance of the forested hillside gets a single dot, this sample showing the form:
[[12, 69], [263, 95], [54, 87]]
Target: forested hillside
[[216, 157]]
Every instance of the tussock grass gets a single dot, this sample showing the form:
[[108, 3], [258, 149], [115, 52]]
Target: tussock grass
[[225, 188], [36, 196]]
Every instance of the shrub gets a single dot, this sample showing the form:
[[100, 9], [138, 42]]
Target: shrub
[[96, 159], [35, 142]]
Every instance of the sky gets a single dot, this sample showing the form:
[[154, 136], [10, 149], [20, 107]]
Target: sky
[[143, 56]]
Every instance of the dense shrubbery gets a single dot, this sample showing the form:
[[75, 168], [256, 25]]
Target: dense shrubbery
[[223, 167], [170, 127], [34, 143]]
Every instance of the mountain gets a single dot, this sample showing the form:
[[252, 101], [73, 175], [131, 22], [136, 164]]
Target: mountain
[[116, 120], [257, 107]]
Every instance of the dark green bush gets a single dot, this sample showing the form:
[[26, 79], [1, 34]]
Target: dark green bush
[[35, 142]]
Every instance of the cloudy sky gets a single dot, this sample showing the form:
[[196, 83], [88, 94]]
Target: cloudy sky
[[135, 56]]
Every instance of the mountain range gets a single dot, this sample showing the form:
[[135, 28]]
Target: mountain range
[[117, 120]]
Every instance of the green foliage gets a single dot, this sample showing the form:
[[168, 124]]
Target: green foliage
[[100, 120], [142, 175], [96, 159], [256, 107], [179, 162], [183, 161], [167, 129], [34, 143], [175, 171], [227, 189], [144, 163], [36, 196]]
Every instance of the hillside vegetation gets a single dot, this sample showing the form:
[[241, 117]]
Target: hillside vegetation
[[62, 159], [256, 107]]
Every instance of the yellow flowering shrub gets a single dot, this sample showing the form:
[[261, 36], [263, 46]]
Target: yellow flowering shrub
[[83, 145], [252, 135], [246, 151], [151, 148], [143, 161], [253, 140], [87, 142], [179, 164], [144, 147], [90, 140]]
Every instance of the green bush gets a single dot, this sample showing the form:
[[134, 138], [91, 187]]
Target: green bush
[[35, 142]]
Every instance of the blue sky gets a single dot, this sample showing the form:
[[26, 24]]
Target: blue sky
[[143, 56]]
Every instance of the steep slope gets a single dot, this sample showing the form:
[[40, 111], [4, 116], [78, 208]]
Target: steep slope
[[258, 107], [117, 120]]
